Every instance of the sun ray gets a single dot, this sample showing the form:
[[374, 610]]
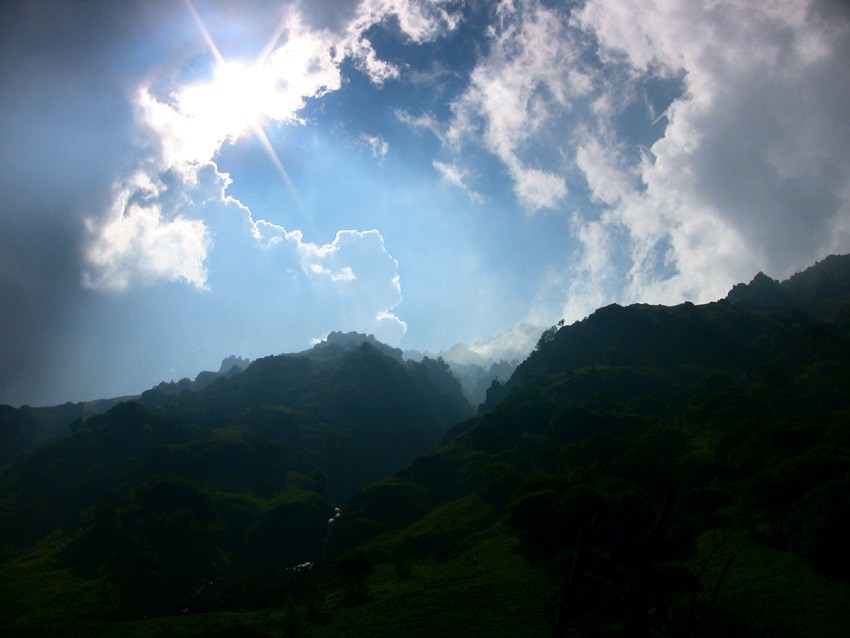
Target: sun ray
[[255, 124], [273, 156], [269, 48], [207, 37]]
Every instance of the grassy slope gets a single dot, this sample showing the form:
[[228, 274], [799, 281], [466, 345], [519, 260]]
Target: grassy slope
[[772, 592], [486, 590], [37, 591], [481, 587]]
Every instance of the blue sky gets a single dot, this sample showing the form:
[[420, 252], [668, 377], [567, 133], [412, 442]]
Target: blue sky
[[184, 180]]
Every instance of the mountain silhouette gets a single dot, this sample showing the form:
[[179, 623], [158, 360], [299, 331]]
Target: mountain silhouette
[[649, 470]]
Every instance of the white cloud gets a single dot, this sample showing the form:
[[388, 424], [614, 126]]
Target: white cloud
[[529, 77], [354, 275], [376, 144], [171, 219], [749, 167], [747, 171], [514, 343], [457, 177], [379, 71], [536, 189], [144, 237], [750, 171], [181, 133], [420, 20], [135, 243], [424, 121], [388, 327], [343, 274]]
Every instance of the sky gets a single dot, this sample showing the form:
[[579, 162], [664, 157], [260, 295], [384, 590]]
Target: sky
[[182, 180]]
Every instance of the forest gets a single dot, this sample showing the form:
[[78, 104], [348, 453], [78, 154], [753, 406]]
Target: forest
[[647, 471]]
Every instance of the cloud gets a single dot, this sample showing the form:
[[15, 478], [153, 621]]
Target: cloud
[[136, 244], [376, 144], [743, 170], [113, 128], [354, 279], [141, 240], [424, 121], [457, 177], [681, 145], [171, 218], [419, 20], [145, 236], [517, 95], [514, 343], [187, 127], [750, 171], [537, 189]]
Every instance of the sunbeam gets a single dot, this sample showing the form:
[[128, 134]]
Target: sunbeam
[[204, 32], [275, 159], [238, 99]]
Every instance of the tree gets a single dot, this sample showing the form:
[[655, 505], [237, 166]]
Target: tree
[[354, 570]]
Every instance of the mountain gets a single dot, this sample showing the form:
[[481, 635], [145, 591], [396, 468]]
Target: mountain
[[476, 366], [25, 429], [228, 363], [672, 469], [337, 343], [821, 291], [642, 349], [226, 479], [648, 471]]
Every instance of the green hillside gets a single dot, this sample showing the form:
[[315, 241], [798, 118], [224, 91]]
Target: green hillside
[[648, 471]]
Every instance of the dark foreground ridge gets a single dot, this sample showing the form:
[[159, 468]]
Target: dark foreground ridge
[[649, 471]]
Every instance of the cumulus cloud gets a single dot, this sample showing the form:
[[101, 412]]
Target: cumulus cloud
[[681, 145], [148, 234], [141, 239], [136, 244], [418, 20], [745, 170], [750, 170], [137, 240], [747, 166], [537, 189], [354, 274]]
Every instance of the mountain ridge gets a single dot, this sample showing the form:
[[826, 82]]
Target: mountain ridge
[[686, 458], [718, 431]]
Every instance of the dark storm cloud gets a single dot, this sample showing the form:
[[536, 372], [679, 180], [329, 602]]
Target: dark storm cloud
[[65, 127], [38, 282]]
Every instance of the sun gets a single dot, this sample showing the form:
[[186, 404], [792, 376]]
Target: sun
[[240, 99], [235, 102]]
